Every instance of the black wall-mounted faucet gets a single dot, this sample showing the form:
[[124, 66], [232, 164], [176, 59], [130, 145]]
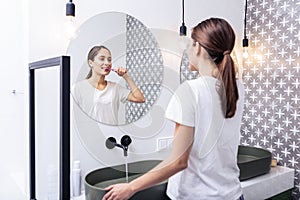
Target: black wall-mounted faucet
[[111, 142]]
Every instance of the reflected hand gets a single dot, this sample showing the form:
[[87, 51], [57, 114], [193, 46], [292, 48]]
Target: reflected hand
[[120, 191], [121, 71]]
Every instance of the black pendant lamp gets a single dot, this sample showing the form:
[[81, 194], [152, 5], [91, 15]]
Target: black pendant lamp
[[70, 9], [182, 30], [245, 40]]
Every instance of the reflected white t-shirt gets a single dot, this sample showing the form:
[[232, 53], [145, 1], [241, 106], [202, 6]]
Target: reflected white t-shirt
[[101, 105], [212, 172]]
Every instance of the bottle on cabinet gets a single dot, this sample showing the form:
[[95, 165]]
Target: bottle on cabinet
[[76, 179]]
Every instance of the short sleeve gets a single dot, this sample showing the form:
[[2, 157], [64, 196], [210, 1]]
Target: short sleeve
[[181, 108], [123, 93]]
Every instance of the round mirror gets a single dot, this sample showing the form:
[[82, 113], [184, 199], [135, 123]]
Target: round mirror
[[117, 68]]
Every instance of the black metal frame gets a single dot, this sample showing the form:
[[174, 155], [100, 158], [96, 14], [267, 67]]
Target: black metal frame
[[64, 151]]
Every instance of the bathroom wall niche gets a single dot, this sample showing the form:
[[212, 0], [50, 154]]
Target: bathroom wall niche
[[133, 46]]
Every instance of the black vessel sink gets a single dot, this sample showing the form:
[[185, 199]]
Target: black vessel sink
[[97, 180], [253, 161]]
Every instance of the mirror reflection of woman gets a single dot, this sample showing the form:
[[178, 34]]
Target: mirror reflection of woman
[[101, 98]]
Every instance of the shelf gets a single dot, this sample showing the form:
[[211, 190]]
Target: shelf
[[278, 180]]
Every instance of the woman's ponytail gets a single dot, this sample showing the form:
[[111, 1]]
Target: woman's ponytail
[[230, 93], [89, 75]]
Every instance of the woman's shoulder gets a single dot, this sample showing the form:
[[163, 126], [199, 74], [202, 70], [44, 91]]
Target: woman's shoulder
[[111, 83], [81, 86], [202, 81], [81, 83], [114, 85]]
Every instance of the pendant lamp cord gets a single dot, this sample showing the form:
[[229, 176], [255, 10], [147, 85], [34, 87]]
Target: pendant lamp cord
[[183, 11], [245, 19]]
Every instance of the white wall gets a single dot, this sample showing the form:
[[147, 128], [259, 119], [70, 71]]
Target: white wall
[[13, 118], [45, 32], [46, 29]]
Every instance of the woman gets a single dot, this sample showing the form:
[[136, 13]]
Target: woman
[[207, 113], [100, 98]]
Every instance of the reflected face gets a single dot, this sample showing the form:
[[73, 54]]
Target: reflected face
[[102, 62]]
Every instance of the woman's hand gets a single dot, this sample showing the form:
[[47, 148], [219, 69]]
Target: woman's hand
[[120, 191], [121, 71]]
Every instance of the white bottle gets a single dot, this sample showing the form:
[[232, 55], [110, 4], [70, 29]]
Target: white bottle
[[76, 179]]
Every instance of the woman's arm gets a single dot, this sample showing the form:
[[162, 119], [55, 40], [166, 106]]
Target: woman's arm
[[135, 93], [177, 161]]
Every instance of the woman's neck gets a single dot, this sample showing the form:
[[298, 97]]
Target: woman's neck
[[98, 82], [207, 69], [206, 66]]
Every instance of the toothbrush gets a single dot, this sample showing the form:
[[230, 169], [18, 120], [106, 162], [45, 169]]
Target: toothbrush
[[109, 69]]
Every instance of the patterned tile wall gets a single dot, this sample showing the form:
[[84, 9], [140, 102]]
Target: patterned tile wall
[[185, 72], [272, 81], [145, 66]]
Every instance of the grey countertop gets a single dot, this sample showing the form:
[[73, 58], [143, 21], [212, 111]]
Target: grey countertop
[[278, 180]]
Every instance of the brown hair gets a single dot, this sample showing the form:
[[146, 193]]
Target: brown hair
[[217, 37], [91, 56]]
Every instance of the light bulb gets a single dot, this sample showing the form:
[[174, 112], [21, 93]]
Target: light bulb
[[245, 53], [70, 28], [183, 42]]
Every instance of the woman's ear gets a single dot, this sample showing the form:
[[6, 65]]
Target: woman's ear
[[198, 48], [90, 62]]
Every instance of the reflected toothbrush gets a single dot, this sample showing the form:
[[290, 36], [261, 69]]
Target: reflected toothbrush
[[109, 69]]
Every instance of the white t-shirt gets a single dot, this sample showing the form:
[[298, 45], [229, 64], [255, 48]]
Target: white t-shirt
[[212, 172], [101, 105]]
